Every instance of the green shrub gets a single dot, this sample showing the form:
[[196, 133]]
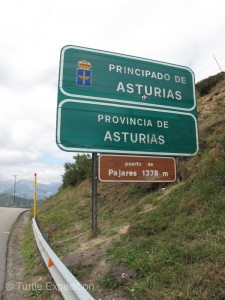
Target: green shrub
[[78, 171]]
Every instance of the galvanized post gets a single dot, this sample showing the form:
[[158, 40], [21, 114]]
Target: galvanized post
[[94, 191]]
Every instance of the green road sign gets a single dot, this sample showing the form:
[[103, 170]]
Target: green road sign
[[88, 126], [110, 77]]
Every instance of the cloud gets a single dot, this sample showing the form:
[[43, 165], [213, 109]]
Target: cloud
[[27, 123], [33, 33]]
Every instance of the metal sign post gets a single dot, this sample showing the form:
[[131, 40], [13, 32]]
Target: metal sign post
[[94, 191]]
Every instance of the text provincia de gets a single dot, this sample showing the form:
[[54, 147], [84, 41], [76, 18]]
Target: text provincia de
[[132, 137]]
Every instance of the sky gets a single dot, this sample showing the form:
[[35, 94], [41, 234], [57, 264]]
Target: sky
[[190, 33]]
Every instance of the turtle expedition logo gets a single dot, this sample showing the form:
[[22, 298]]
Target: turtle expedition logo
[[84, 74]]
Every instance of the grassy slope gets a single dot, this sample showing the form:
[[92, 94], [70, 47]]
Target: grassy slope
[[173, 239]]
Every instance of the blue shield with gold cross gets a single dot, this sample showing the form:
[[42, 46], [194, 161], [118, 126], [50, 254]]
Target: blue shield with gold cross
[[84, 74]]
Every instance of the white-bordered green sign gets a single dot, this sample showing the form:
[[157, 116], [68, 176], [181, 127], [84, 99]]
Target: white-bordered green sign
[[88, 126], [121, 79]]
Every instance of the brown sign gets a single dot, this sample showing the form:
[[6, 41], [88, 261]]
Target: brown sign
[[136, 168]]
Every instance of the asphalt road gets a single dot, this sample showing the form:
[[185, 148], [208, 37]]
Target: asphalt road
[[8, 216]]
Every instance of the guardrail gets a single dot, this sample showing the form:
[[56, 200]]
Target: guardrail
[[67, 284]]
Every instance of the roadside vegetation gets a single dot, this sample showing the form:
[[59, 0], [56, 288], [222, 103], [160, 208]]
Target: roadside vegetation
[[155, 241], [78, 171]]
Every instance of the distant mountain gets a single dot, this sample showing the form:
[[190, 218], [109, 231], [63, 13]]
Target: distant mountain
[[25, 189], [8, 200]]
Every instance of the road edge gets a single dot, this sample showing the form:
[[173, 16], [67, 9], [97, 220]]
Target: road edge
[[12, 232]]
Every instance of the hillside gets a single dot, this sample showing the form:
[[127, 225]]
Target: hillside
[[155, 241]]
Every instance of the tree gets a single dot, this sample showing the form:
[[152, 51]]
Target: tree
[[77, 171]]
